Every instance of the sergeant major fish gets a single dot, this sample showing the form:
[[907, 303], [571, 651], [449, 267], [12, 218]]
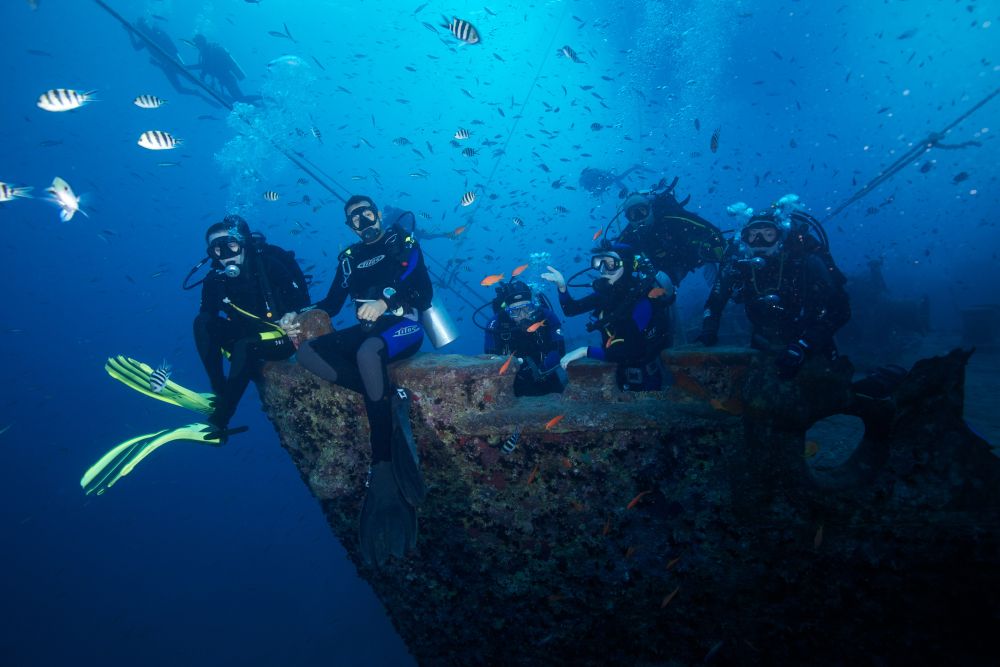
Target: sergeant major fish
[[461, 29], [158, 378], [9, 192], [157, 140], [148, 102], [511, 443], [64, 99]]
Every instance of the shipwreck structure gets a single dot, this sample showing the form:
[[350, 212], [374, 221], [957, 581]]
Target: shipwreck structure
[[687, 526]]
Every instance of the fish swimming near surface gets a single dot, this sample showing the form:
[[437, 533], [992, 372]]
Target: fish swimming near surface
[[64, 99], [9, 192], [148, 102], [157, 140], [158, 378], [63, 197], [461, 29], [271, 195], [511, 443], [713, 144], [468, 198]]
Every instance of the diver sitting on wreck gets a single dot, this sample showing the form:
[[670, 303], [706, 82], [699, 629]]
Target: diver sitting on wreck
[[782, 272], [630, 305], [525, 327], [387, 279]]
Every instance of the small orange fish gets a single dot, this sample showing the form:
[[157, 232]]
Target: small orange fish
[[596, 234], [552, 422], [812, 449], [566, 463], [635, 501], [533, 475], [506, 364], [491, 280], [458, 231], [612, 341], [534, 327], [673, 562], [656, 293], [670, 597], [519, 270]]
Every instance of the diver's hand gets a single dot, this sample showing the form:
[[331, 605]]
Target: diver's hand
[[372, 310], [290, 325], [553, 276], [569, 357]]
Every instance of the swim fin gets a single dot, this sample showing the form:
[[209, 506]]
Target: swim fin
[[388, 525], [122, 459], [136, 375], [403, 450]]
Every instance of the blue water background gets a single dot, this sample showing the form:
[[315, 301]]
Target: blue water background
[[220, 556]]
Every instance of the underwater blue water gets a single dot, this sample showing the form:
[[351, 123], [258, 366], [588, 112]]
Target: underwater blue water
[[220, 556]]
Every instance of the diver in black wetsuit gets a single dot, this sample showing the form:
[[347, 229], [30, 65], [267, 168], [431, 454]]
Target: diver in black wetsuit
[[253, 282], [217, 64], [792, 291], [155, 35], [515, 311], [386, 278], [631, 308]]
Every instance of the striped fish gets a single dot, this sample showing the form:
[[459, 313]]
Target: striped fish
[[517, 221], [271, 195], [157, 140], [158, 378], [469, 152], [462, 133], [463, 30], [63, 99], [468, 198], [148, 102], [316, 133], [8, 192], [511, 443]]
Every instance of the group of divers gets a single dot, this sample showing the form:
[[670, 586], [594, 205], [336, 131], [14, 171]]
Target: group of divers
[[255, 296]]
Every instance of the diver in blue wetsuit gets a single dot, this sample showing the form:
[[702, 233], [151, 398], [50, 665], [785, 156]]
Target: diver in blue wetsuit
[[630, 306], [387, 280]]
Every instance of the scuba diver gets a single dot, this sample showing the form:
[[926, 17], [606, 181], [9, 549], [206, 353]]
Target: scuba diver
[[386, 278], [630, 306], [793, 293], [142, 31], [674, 240], [216, 63], [252, 282], [527, 329]]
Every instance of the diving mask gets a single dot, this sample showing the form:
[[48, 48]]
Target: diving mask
[[637, 212], [520, 311], [605, 263], [224, 247]]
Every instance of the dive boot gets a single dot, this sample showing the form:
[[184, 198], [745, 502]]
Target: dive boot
[[403, 450], [388, 525]]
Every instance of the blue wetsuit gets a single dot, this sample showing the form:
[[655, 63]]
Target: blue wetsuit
[[634, 329], [392, 269]]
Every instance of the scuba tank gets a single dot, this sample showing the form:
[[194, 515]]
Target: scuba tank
[[438, 325]]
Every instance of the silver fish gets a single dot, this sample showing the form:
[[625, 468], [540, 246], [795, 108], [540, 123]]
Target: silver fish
[[158, 378], [461, 29], [9, 192], [64, 99], [157, 140], [148, 102]]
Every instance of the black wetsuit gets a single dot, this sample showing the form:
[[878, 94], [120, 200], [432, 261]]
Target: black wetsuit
[[162, 39], [216, 63], [541, 350], [795, 298], [270, 284], [634, 329], [357, 357]]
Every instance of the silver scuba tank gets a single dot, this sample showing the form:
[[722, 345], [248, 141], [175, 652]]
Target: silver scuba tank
[[438, 325]]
